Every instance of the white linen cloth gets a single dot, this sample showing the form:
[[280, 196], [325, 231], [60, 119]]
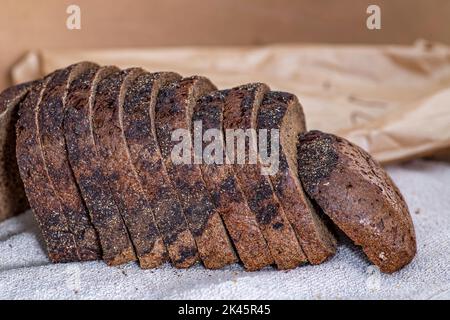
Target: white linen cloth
[[26, 273]]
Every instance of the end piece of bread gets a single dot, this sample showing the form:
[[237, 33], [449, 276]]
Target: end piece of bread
[[12, 194], [359, 197]]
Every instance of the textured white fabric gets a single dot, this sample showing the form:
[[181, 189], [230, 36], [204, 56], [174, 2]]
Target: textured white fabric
[[25, 271]]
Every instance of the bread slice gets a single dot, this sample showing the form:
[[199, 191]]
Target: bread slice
[[173, 111], [47, 209], [50, 115], [241, 109], [88, 167], [221, 182], [12, 195], [119, 170], [359, 197], [282, 111], [162, 198]]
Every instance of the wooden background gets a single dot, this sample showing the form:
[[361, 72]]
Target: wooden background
[[34, 24]]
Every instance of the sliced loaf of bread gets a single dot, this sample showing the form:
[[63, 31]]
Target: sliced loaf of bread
[[173, 111], [359, 197], [221, 182], [240, 112], [281, 111], [137, 122], [88, 167]]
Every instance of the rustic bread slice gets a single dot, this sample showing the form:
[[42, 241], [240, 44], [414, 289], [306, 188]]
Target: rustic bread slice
[[221, 182], [50, 115], [241, 108], [173, 111], [119, 170], [136, 122], [12, 195], [282, 111], [359, 197], [60, 242], [87, 167]]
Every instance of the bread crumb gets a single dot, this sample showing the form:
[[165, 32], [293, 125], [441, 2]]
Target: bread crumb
[[417, 211], [382, 256]]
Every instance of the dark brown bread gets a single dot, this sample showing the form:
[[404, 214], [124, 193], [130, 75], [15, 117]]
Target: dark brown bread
[[12, 195], [87, 167], [359, 197], [239, 220], [282, 111], [50, 115], [173, 111], [119, 171], [61, 245], [240, 112], [137, 117]]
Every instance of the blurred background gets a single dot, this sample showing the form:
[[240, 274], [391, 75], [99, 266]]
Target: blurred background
[[379, 88], [39, 24]]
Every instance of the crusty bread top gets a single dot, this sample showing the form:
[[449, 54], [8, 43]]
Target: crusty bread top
[[359, 196], [13, 94]]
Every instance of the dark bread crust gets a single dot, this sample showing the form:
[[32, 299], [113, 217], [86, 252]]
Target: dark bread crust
[[174, 111], [162, 198], [50, 115], [12, 194], [240, 112], [221, 182], [60, 242], [359, 197], [87, 166], [282, 111], [119, 170]]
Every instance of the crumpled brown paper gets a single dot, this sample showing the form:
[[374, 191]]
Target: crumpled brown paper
[[394, 101]]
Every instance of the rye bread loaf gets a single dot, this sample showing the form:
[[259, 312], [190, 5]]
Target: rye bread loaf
[[119, 170], [359, 197], [87, 167], [45, 204], [282, 111], [137, 121], [50, 116], [241, 109], [173, 111], [221, 182], [12, 195]]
